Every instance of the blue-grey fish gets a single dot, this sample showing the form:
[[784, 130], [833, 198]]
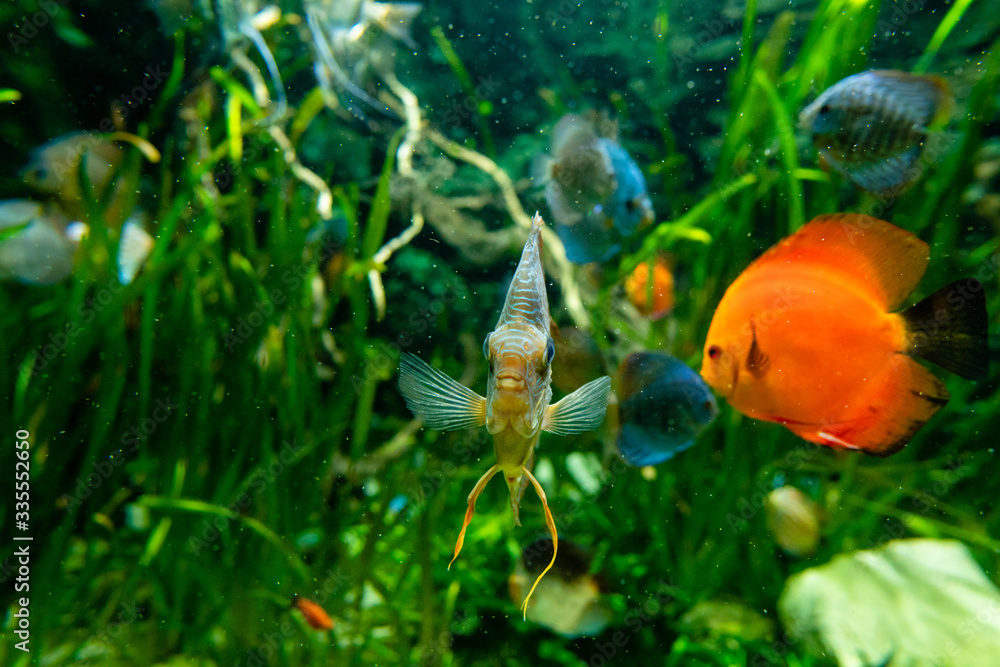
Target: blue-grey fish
[[39, 245], [594, 189], [872, 127], [663, 406], [35, 244], [517, 407]]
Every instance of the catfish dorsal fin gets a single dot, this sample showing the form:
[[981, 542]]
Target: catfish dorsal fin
[[527, 300], [888, 259]]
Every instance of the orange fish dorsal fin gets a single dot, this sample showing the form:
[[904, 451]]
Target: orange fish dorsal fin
[[879, 255]]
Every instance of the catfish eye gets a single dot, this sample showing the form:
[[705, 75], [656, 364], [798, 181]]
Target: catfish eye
[[714, 351], [550, 351], [486, 347]]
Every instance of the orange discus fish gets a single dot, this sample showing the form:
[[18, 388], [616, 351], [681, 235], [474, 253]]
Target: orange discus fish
[[516, 408], [806, 336]]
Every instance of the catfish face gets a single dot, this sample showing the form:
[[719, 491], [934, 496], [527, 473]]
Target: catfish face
[[520, 377]]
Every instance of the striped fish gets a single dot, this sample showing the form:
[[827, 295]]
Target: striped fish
[[872, 127], [517, 406]]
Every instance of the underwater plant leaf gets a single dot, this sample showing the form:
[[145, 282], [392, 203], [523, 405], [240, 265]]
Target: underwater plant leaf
[[922, 601], [583, 410], [442, 403]]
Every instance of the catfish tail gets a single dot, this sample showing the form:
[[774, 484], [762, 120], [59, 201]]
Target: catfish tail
[[949, 328]]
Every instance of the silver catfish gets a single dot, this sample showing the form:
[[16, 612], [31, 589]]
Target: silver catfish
[[517, 406]]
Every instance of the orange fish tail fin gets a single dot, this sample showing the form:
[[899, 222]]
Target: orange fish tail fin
[[552, 531], [908, 396], [949, 328], [480, 485]]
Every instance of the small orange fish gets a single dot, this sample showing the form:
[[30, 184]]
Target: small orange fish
[[652, 294], [806, 336], [315, 615]]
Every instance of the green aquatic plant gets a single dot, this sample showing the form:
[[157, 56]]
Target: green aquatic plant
[[225, 432]]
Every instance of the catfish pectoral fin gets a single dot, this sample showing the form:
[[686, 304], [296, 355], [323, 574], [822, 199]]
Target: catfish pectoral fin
[[440, 401], [583, 410]]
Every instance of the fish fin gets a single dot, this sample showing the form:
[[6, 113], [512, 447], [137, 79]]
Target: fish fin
[[642, 446], [889, 259], [543, 169], [76, 231], [564, 211], [757, 361], [551, 523], [518, 487], [583, 410], [926, 98], [585, 241], [441, 402], [949, 328], [910, 396], [476, 490], [133, 249], [570, 132], [882, 176]]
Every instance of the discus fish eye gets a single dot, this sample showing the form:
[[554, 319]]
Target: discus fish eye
[[630, 205], [825, 108], [714, 351], [550, 351]]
